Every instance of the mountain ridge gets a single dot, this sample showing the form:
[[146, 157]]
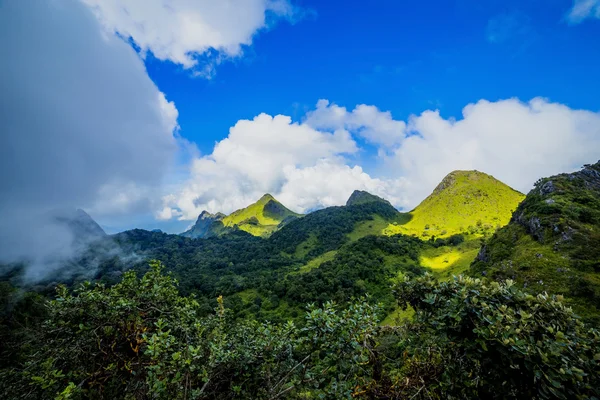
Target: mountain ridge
[[260, 218]]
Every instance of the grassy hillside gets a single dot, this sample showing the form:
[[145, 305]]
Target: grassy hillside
[[328, 229], [464, 202], [552, 242], [261, 218]]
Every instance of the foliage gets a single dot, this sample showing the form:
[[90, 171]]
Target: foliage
[[140, 339], [329, 227], [553, 241], [474, 339], [359, 268]]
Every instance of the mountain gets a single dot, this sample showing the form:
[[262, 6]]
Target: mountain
[[552, 242], [82, 226], [468, 202], [206, 225], [259, 219], [361, 197], [328, 229]]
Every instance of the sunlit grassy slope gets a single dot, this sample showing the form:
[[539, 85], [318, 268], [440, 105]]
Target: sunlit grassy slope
[[464, 202], [261, 218]]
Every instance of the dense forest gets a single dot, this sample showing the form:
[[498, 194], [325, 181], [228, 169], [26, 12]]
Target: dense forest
[[326, 307], [141, 339]]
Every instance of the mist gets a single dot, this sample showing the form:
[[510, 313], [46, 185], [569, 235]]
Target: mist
[[82, 125]]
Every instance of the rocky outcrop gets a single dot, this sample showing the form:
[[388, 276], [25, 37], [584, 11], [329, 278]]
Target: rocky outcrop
[[204, 225]]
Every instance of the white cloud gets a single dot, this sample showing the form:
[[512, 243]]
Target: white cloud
[[514, 141], [375, 126], [182, 30], [307, 168], [583, 9], [85, 125], [331, 183], [254, 160]]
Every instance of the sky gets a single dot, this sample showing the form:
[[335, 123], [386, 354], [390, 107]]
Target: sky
[[146, 112]]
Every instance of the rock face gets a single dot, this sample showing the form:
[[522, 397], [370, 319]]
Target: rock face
[[543, 212], [362, 197], [204, 226]]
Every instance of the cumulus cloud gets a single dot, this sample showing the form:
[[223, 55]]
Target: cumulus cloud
[[375, 126], [583, 9], [183, 30], [253, 160], [306, 165], [514, 141], [330, 183], [82, 125]]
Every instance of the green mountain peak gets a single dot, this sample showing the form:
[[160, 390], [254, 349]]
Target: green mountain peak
[[362, 197], [265, 198], [463, 202], [261, 218]]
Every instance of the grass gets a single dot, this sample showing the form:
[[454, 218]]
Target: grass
[[317, 261], [365, 228], [464, 202], [254, 220], [448, 261], [306, 246], [248, 295]]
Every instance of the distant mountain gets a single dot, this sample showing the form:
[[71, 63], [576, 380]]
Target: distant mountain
[[259, 219], [327, 229], [552, 242], [82, 226], [464, 202], [206, 225], [362, 197]]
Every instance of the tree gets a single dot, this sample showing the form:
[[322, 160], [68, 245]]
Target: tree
[[474, 339]]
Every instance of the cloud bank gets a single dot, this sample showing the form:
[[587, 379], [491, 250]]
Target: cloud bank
[[181, 31], [308, 164], [82, 126]]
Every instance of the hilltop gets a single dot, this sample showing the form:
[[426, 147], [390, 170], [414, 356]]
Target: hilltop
[[261, 218], [552, 242], [82, 226], [470, 202], [362, 197], [206, 225]]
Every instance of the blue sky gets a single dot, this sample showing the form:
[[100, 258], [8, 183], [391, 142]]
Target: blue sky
[[405, 57], [146, 112]]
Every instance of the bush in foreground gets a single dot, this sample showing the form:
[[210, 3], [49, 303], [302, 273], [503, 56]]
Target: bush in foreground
[[140, 339]]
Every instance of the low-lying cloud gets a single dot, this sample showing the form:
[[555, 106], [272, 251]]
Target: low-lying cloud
[[81, 121]]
